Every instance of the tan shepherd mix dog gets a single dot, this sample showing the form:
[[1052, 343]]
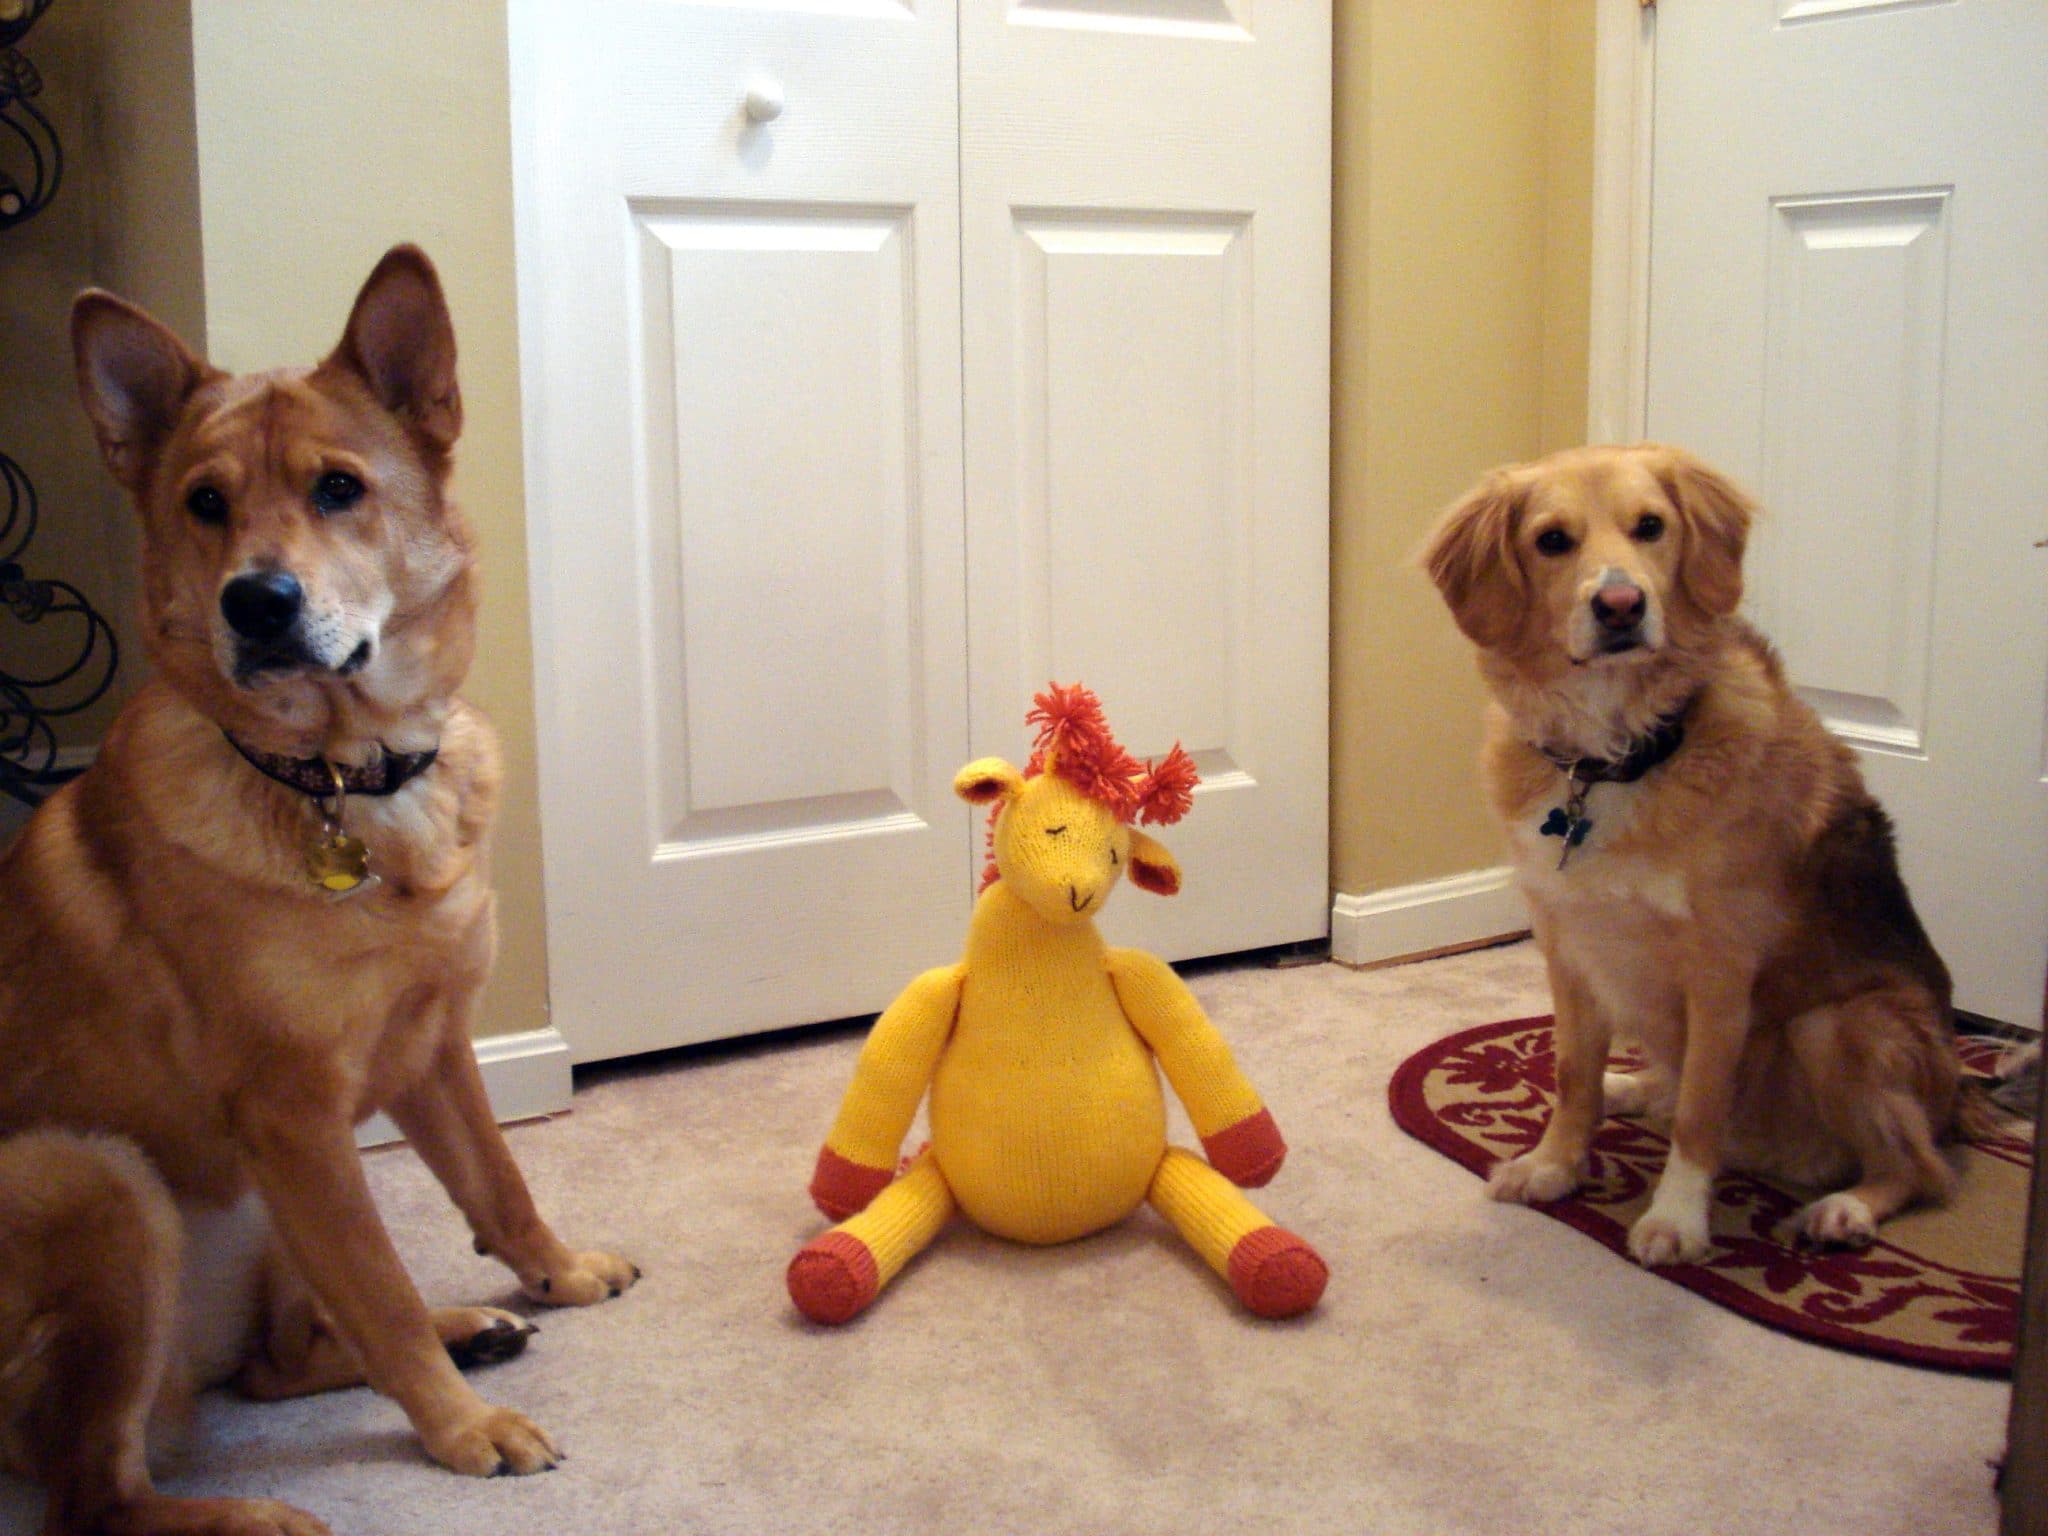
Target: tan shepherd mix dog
[[201, 1021], [1705, 870]]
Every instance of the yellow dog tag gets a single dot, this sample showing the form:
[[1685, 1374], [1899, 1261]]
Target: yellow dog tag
[[337, 862]]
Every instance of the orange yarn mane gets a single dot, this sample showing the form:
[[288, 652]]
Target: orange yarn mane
[[1074, 734]]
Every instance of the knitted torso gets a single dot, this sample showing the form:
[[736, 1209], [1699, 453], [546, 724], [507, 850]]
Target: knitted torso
[[1046, 1111]]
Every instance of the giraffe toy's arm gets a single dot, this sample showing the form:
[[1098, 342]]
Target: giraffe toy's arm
[[896, 1064], [1237, 1130]]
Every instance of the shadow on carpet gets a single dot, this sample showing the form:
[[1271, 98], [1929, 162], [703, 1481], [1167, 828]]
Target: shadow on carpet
[[1941, 1288]]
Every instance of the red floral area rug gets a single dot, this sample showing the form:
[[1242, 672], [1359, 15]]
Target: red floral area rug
[[1940, 1288]]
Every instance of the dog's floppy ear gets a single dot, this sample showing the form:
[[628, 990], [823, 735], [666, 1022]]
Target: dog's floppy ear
[[1471, 558], [1716, 517], [134, 377], [401, 343]]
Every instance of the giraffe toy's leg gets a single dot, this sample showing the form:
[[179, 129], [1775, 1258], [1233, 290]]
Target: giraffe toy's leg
[[1273, 1272], [834, 1276]]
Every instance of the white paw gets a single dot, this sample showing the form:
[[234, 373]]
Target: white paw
[[1669, 1237], [1624, 1093], [1839, 1220], [1531, 1179]]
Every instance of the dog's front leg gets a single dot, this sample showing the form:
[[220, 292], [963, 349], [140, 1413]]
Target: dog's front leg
[[311, 1177], [1553, 1167], [1674, 1229], [446, 1116]]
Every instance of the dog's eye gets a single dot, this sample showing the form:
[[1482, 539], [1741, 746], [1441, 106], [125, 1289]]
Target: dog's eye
[[1553, 541], [336, 491], [207, 504], [1649, 528]]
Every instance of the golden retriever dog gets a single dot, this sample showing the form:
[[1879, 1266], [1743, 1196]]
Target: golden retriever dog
[[264, 913], [1706, 874]]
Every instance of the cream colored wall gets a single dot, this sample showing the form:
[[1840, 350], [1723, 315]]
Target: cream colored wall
[[1463, 172], [327, 133]]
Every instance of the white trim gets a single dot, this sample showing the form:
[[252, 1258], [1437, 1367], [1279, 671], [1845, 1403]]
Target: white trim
[[1618, 346], [1418, 919], [526, 1075]]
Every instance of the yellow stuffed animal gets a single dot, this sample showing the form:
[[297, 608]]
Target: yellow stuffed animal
[[1046, 1113]]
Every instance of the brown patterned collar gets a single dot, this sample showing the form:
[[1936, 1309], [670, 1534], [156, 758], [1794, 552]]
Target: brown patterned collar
[[314, 776]]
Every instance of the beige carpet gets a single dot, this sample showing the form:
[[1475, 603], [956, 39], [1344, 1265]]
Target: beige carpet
[[1472, 1368]]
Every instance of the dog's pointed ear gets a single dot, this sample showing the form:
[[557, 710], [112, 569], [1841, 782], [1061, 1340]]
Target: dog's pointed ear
[[401, 343], [134, 377], [1715, 517], [1471, 557]]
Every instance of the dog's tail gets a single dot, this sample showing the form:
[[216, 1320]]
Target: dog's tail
[[1978, 1116]]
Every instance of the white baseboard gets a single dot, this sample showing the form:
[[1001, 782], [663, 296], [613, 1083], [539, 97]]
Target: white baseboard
[[1419, 919], [526, 1075]]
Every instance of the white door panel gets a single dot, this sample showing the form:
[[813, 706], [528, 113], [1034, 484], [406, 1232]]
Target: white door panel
[[1146, 257], [744, 459], [1849, 253]]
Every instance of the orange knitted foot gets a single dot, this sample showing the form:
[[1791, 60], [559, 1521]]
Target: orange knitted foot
[[1276, 1274], [833, 1278]]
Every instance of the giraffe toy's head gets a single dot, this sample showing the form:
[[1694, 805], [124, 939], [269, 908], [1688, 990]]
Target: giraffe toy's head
[[1061, 832]]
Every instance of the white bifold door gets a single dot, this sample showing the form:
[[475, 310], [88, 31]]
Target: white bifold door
[[1849, 311], [884, 361]]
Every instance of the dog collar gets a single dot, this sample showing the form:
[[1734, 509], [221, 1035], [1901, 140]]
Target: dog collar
[[316, 776], [1653, 747], [1569, 822]]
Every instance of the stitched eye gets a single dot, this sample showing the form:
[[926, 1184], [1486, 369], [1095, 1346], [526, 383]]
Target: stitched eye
[[207, 504], [1649, 528], [1113, 859], [337, 491], [1553, 541], [1056, 831]]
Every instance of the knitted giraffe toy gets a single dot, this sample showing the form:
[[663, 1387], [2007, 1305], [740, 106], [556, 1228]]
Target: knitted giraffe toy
[[1047, 1118]]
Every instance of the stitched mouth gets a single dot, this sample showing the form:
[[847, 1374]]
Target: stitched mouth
[[1076, 901]]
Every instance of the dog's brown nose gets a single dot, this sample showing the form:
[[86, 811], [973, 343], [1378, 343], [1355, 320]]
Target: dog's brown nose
[[1618, 606], [263, 604]]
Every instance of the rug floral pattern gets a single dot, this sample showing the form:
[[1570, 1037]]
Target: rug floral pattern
[[1940, 1288]]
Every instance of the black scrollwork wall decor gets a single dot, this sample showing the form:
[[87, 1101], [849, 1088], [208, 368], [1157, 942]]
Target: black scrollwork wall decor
[[76, 662], [31, 159]]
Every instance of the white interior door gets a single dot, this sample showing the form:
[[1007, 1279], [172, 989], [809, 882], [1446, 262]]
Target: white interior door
[[1849, 311], [1145, 201], [743, 449]]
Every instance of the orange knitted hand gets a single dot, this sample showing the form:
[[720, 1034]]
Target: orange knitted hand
[[842, 1188], [1248, 1153]]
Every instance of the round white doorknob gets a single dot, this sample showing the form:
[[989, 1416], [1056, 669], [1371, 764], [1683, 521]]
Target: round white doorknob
[[764, 100]]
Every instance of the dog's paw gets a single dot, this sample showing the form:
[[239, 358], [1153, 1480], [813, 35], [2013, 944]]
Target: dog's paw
[[1839, 1220], [483, 1335], [496, 1443], [1664, 1237], [588, 1279], [213, 1517], [1530, 1180]]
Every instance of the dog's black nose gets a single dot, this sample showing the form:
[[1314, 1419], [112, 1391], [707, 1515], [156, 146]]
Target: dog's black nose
[[263, 604], [1618, 606]]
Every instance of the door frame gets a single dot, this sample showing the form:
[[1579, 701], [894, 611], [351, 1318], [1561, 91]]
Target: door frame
[[1618, 339]]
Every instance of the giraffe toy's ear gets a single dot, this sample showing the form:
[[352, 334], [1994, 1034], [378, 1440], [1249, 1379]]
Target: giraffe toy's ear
[[987, 779], [1152, 867]]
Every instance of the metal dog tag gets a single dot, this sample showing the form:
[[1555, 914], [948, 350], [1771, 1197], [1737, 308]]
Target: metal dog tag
[[336, 862]]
